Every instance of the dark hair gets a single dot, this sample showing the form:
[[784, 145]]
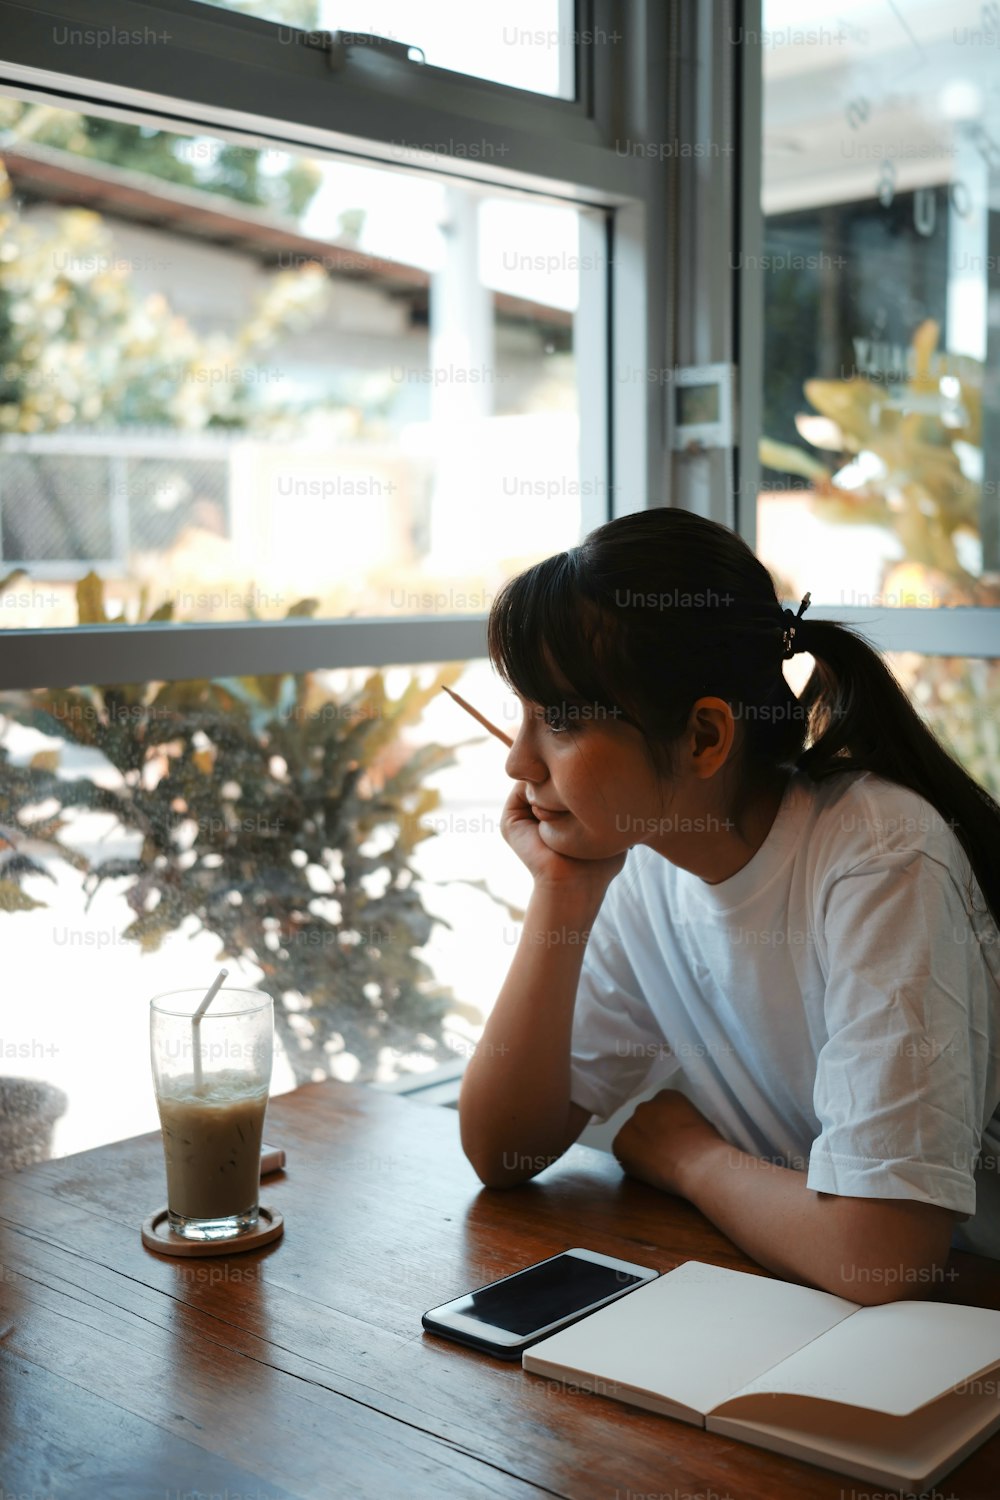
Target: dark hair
[[659, 608]]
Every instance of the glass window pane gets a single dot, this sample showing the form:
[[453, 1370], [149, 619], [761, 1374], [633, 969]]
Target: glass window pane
[[230, 375], [881, 273], [528, 44], [273, 827], [959, 698]]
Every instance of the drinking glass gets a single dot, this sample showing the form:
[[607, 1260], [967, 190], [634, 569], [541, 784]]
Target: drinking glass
[[211, 1078]]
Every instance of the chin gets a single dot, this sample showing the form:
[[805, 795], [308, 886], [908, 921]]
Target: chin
[[585, 845]]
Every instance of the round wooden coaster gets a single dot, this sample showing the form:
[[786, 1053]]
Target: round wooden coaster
[[157, 1235]]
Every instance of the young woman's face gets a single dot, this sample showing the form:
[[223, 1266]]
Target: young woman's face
[[589, 780], [596, 792]]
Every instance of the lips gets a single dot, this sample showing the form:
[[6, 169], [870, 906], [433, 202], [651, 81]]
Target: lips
[[546, 812]]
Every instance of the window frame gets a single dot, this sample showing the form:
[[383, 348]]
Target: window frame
[[384, 105], [527, 143]]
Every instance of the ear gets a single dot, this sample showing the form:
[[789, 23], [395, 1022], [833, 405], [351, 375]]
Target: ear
[[711, 736]]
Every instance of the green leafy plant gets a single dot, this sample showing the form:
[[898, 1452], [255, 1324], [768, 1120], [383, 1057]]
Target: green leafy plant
[[281, 819], [919, 490]]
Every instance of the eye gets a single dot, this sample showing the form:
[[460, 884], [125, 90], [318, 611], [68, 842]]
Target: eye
[[555, 722]]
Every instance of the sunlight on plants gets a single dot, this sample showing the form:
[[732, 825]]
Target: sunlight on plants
[[909, 460]]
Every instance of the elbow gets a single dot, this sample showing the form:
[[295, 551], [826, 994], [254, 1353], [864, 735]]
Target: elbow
[[492, 1177], [492, 1173], [511, 1170], [495, 1163], [479, 1150]]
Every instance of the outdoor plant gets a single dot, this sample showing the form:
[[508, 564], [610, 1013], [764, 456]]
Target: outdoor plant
[[281, 819], [910, 439], [26, 837]]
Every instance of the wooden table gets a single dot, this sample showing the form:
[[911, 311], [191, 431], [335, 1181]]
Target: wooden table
[[302, 1369]]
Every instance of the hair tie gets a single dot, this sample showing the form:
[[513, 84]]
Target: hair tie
[[791, 627]]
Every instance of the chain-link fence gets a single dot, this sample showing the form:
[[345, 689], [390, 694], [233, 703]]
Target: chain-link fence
[[88, 499]]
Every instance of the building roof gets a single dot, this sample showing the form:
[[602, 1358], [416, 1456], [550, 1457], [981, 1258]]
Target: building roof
[[45, 173]]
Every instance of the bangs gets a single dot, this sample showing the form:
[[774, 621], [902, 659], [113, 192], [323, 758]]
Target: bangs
[[541, 625]]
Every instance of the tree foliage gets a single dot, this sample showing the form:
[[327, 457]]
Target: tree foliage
[[81, 345], [279, 818], [282, 182]]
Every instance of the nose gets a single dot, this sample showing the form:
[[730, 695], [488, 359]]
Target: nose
[[523, 762]]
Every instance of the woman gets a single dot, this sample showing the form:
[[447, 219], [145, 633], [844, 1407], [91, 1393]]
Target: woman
[[806, 939]]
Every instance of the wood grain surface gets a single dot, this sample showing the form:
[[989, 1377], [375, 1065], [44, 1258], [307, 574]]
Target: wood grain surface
[[302, 1370]]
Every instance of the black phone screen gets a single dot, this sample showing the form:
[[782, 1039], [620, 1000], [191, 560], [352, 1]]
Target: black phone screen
[[543, 1294]]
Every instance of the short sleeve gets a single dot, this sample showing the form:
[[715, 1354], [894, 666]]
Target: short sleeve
[[903, 1079], [616, 1039]]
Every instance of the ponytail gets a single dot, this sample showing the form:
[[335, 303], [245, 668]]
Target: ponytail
[[860, 719]]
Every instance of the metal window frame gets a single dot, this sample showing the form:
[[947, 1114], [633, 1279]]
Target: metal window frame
[[216, 66], [498, 137]]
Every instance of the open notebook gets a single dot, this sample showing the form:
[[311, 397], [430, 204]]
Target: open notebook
[[897, 1394]]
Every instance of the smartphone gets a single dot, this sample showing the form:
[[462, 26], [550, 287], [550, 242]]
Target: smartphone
[[507, 1316]]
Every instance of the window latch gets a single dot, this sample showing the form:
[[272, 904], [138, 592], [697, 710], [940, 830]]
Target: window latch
[[341, 43]]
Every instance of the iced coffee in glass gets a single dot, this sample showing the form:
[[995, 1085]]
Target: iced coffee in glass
[[212, 1078]]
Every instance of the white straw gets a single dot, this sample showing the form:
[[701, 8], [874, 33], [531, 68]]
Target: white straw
[[210, 995]]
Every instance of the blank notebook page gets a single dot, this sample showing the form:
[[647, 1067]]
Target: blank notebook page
[[695, 1335], [891, 1358]]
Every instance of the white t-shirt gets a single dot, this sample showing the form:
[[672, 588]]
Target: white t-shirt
[[832, 1007]]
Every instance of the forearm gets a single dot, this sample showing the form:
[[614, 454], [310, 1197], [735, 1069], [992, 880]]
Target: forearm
[[514, 1101], [823, 1239]]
